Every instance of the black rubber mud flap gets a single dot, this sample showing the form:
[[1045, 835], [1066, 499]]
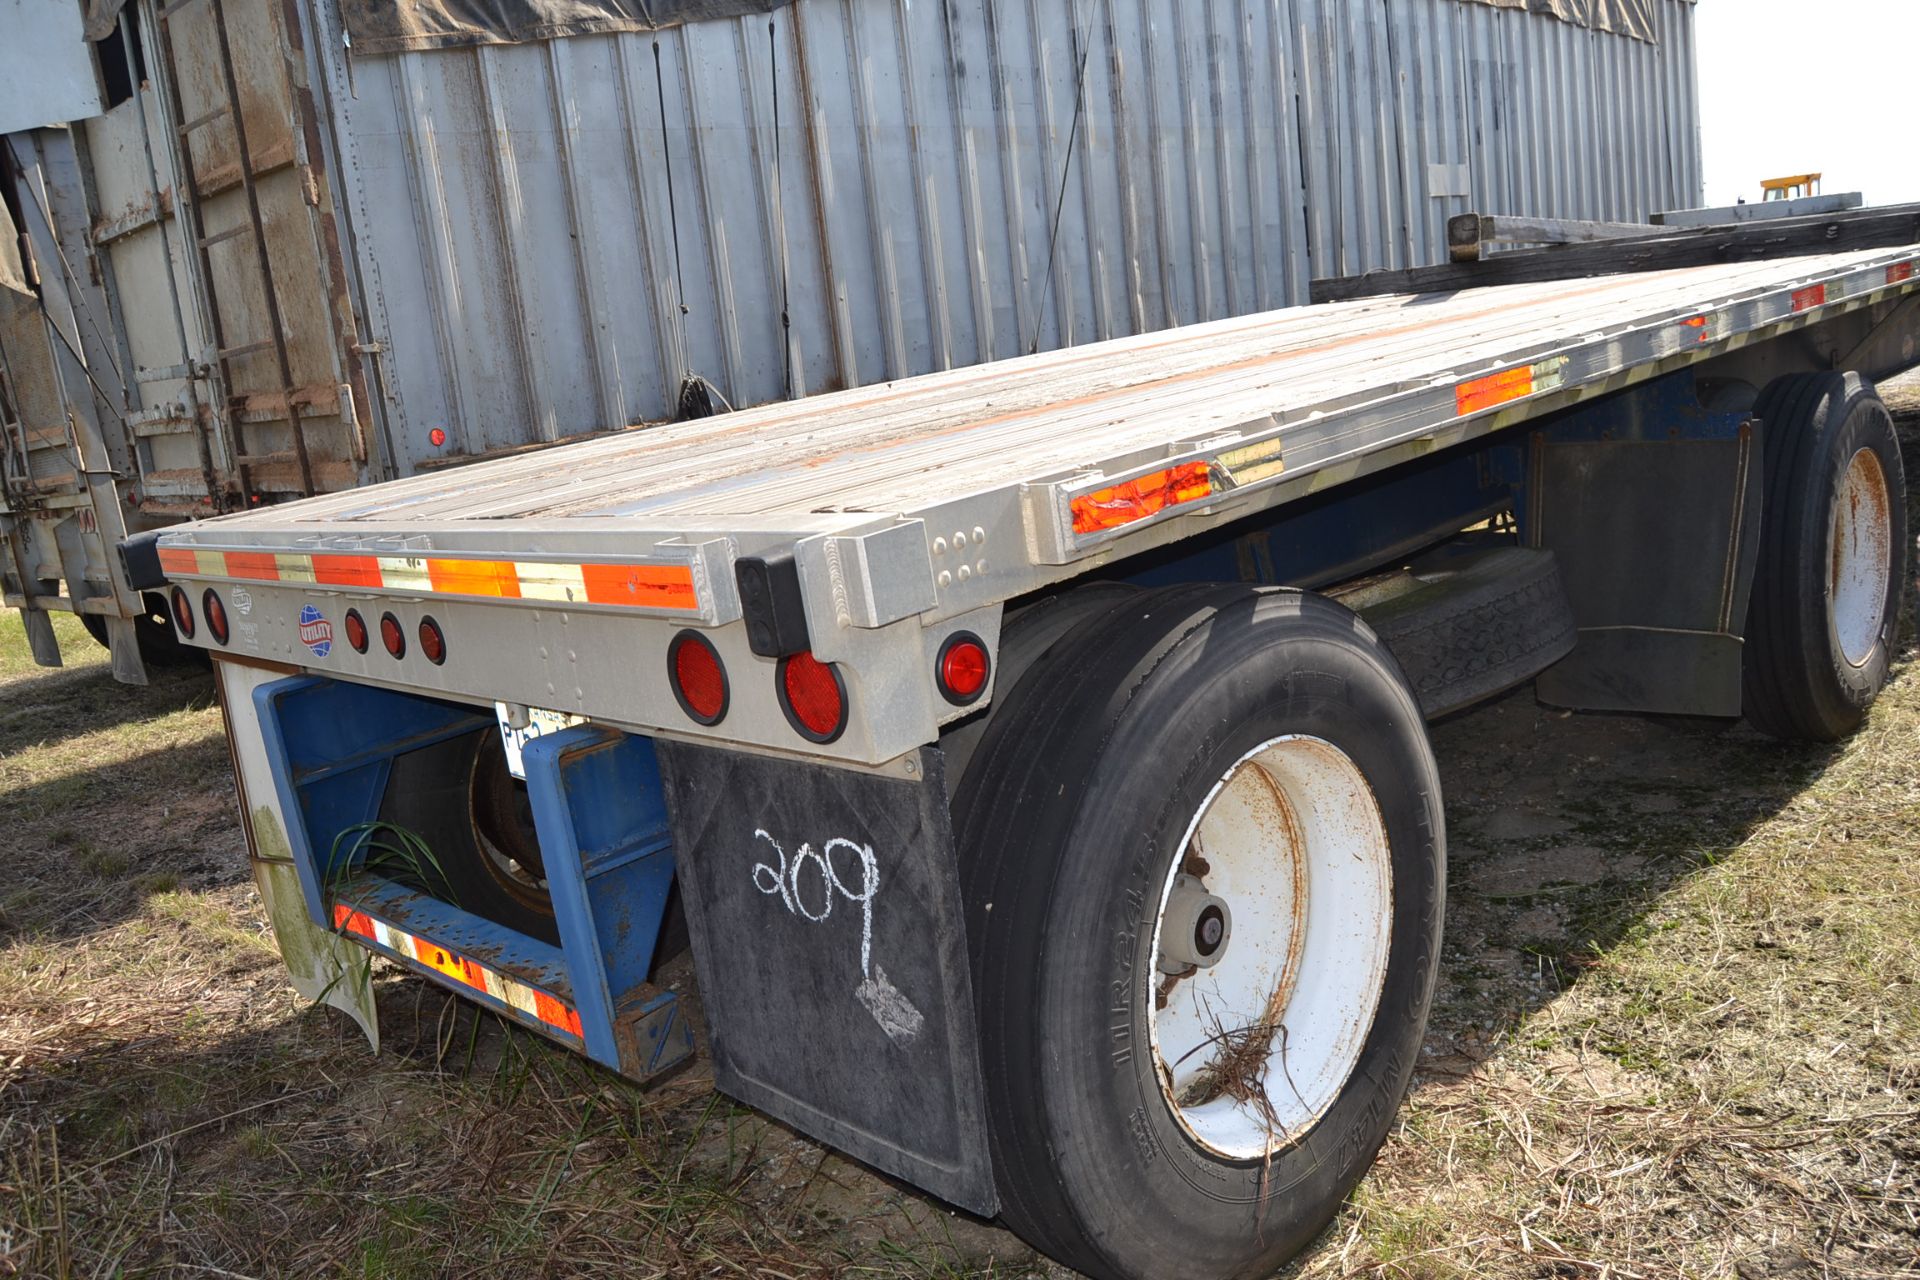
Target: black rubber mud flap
[[830, 947]]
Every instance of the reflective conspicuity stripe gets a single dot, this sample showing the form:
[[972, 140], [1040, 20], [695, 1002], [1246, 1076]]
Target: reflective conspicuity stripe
[[534, 1003], [665, 587], [1508, 385]]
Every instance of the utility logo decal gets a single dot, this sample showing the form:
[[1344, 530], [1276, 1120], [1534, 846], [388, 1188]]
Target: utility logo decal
[[315, 631]]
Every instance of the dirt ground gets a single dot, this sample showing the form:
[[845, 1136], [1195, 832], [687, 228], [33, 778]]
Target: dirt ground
[[1678, 1033]]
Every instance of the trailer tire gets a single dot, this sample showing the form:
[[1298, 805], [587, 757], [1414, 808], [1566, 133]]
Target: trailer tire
[[159, 644], [1832, 564], [1107, 763], [1495, 620]]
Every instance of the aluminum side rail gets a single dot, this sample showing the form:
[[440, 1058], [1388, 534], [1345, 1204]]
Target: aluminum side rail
[[914, 508]]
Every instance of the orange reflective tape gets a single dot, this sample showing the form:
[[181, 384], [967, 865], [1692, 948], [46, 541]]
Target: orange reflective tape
[[351, 921], [645, 586], [1814, 295], [472, 974], [253, 565], [556, 1014], [346, 571], [179, 560], [475, 577], [1135, 500], [1494, 389], [1899, 273], [440, 960]]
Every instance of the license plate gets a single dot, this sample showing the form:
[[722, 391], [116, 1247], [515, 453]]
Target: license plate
[[540, 722]]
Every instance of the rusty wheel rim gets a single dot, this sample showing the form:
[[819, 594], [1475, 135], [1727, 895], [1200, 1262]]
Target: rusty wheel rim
[[1253, 1048], [1860, 561]]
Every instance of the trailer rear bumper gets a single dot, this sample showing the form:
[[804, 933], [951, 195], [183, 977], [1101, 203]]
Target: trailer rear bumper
[[823, 906], [330, 748]]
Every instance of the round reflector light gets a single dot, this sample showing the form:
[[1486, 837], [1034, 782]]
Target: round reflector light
[[356, 631], [962, 669], [393, 635], [182, 613], [216, 615], [432, 642], [698, 680], [814, 697]]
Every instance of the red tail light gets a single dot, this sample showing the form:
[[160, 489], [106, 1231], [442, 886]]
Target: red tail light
[[216, 614], [432, 642], [393, 635], [356, 631], [698, 680], [814, 697], [963, 668], [182, 613]]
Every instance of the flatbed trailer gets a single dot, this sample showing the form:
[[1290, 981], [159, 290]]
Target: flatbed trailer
[[1038, 748]]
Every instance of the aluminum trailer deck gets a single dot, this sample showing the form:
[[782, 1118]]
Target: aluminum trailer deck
[[943, 497]]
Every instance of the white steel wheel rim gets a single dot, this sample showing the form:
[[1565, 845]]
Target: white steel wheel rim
[[1252, 1051], [1861, 560]]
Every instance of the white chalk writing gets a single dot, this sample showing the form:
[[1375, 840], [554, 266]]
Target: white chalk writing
[[811, 897]]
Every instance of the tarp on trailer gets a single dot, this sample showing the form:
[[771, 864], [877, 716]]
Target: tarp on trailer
[[1622, 17], [394, 26]]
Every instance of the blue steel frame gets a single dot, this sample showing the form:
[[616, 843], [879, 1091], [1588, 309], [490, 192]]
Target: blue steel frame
[[1363, 524], [601, 819]]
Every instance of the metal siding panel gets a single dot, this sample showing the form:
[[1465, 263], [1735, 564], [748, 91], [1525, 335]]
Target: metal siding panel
[[656, 294], [964, 91], [551, 237], [47, 74], [1120, 28], [1290, 174], [499, 185]]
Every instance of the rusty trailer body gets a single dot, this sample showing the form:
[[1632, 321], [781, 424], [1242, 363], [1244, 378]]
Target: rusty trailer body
[[489, 246]]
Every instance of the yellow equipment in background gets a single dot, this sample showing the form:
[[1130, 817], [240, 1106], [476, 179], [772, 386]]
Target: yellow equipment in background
[[1792, 188]]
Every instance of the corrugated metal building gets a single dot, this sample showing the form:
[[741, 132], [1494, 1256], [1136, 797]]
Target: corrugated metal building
[[921, 186], [501, 241]]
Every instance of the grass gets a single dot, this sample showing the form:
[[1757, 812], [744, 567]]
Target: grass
[[1678, 1034]]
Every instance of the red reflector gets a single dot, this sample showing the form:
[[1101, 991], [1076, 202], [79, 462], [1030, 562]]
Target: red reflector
[[814, 698], [392, 636], [963, 669], [216, 615], [1900, 273], [182, 613], [436, 437], [1137, 499], [699, 681], [1814, 295], [356, 631], [432, 642]]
